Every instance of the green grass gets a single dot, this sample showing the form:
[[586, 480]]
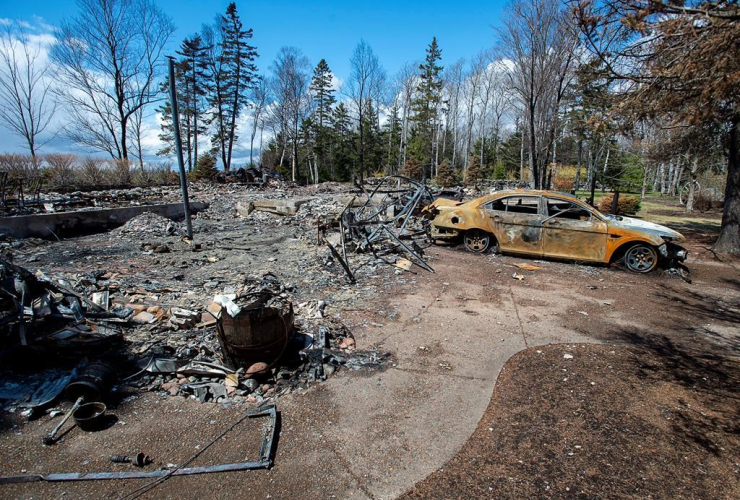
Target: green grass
[[654, 207]]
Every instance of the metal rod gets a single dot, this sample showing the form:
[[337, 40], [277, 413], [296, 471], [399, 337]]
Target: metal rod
[[178, 147]]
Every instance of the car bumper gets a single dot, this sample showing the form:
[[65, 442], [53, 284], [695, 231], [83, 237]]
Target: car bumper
[[671, 251]]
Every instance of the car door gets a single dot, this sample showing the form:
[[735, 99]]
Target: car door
[[517, 223], [573, 232]]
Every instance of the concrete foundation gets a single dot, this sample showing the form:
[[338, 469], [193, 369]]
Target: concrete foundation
[[64, 224]]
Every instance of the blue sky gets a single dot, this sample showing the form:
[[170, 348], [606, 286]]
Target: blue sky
[[398, 31]]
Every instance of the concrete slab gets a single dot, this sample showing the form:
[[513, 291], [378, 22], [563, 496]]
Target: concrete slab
[[87, 221]]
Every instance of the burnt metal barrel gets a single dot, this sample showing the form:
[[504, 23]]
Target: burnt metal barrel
[[93, 383], [256, 334]]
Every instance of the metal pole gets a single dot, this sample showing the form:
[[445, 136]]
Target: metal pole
[[178, 147]]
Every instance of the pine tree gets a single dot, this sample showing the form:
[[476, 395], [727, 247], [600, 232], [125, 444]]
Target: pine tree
[[195, 76], [323, 97], [425, 105], [445, 175], [343, 152], [234, 74]]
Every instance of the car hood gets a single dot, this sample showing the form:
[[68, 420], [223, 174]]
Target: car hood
[[645, 227]]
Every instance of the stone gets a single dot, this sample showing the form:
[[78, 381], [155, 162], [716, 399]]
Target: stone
[[162, 249], [329, 369], [144, 318], [567, 356], [256, 368]]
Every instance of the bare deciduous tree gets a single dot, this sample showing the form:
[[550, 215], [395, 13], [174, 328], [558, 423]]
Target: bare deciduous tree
[[539, 40], [365, 87], [25, 104], [289, 84], [109, 61]]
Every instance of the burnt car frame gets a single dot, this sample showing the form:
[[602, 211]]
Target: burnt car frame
[[548, 224]]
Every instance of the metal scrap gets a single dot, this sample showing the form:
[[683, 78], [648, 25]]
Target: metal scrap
[[265, 461], [385, 217]]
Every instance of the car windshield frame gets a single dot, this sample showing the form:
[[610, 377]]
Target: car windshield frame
[[585, 206]]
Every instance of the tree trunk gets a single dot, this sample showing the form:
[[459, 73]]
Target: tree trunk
[[645, 173], [692, 185], [729, 235]]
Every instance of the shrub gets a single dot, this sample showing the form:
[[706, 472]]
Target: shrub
[[92, 172], [205, 168], [120, 173], [627, 205], [445, 175], [499, 172], [60, 170], [562, 184], [20, 168], [702, 202]]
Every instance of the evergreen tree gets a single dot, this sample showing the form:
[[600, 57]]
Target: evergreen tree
[[425, 105], [323, 97], [234, 75], [195, 76], [343, 151]]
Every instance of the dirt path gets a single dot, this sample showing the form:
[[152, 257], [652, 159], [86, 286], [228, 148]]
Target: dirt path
[[374, 435]]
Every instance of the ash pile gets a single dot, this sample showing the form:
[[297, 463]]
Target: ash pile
[[249, 345], [382, 219]]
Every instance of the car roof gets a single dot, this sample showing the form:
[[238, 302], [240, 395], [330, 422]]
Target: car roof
[[527, 192]]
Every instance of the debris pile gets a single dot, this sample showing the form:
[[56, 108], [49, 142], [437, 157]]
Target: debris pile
[[267, 349], [149, 224], [383, 220]]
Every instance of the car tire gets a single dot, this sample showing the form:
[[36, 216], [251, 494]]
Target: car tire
[[641, 258], [477, 241]]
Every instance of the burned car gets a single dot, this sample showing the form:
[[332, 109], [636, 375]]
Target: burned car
[[554, 225]]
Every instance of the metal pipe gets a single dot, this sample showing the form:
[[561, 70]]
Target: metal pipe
[[178, 147]]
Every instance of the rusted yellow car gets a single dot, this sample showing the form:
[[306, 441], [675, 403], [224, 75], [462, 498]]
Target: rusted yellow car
[[554, 225]]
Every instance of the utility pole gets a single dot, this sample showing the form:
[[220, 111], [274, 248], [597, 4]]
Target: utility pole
[[178, 147]]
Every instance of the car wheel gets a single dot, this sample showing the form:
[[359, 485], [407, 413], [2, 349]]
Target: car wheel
[[641, 258], [477, 241]]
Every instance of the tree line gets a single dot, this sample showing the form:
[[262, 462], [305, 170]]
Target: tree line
[[624, 95]]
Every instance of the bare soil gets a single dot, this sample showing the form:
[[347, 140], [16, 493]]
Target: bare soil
[[612, 422]]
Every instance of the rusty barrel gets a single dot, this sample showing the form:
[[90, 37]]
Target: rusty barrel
[[257, 333]]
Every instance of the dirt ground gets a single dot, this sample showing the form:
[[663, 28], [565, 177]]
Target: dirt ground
[[649, 411], [644, 421]]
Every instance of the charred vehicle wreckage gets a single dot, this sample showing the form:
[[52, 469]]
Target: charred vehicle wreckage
[[546, 224]]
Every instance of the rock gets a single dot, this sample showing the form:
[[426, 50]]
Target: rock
[[329, 369], [172, 387], [162, 249], [144, 318], [256, 369], [567, 356]]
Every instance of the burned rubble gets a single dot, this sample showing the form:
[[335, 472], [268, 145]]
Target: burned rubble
[[248, 311]]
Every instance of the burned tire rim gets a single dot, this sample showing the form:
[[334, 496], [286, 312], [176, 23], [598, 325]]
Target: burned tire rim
[[477, 241], [641, 259]]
